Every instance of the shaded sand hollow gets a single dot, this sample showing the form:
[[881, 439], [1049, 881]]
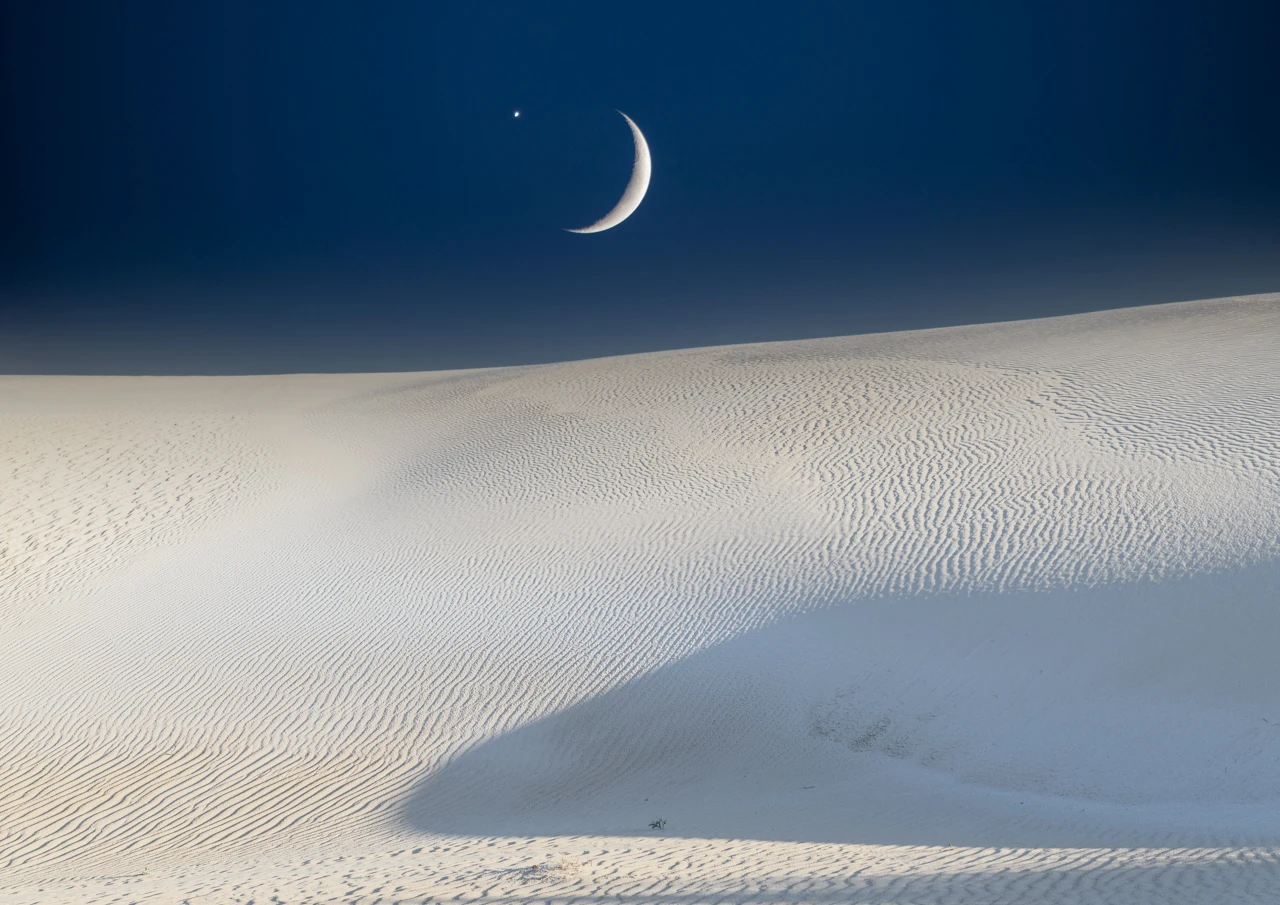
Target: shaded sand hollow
[[983, 614]]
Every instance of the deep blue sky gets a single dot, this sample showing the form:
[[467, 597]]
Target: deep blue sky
[[264, 186]]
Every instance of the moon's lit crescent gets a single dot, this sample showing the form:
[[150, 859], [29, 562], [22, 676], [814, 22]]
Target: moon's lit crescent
[[635, 190]]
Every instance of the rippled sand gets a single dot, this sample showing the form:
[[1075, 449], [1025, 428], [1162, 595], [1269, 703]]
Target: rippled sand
[[980, 614]]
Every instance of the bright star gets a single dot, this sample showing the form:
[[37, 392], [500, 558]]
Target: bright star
[[517, 114]]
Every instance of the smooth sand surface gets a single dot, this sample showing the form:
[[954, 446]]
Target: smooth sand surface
[[984, 614]]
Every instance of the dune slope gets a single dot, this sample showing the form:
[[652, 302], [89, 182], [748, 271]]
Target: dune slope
[[1014, 586]]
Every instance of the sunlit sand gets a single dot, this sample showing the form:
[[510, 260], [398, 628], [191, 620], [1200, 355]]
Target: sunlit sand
[[982, 614]]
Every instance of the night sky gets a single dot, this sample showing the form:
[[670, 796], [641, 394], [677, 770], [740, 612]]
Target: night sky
[[223, 187]]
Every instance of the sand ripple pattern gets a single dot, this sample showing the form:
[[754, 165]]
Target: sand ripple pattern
[[937, 574], [645, 871], [85, 492]]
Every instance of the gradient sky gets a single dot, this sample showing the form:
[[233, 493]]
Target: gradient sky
[[212, 187]]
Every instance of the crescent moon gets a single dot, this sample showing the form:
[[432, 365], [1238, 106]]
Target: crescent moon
[[635, 190]]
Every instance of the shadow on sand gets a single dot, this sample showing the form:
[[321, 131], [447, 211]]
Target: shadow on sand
[[1135, 715]]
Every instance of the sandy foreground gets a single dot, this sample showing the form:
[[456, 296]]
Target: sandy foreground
[[983, 615]]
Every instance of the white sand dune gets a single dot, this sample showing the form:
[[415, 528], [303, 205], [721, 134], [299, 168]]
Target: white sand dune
[[984, 614]]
